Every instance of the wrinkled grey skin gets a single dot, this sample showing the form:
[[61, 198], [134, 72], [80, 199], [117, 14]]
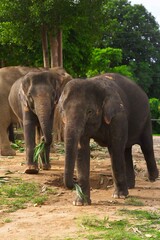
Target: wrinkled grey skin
[[8, 75], [33, 99], [113, 111]]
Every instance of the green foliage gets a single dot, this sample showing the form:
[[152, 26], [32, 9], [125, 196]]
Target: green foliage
[[130, 32], [152, 216], [21, 24], [133, 201], [135, 31], [7, 220], [144, 74], [142, 225], [16, 194], [3, 180], [107, 60], [39, 149], [76, 51], [155, 114], [79, 192], [18, 145], [92, 222], [39, 200], [154, 90]]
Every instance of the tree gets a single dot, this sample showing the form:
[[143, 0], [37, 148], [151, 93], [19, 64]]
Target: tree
[[135, 31], [46, 20], [155, 114], [107, 60]]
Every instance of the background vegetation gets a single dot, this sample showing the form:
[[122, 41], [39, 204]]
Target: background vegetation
[[98, 36]]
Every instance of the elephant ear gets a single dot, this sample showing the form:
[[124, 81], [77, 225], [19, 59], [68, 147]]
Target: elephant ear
[[23, 97], [112, 105], [25, 84], [54, 80]]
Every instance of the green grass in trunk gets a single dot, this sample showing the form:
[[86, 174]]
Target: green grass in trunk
[[79, 192], [40, 148]]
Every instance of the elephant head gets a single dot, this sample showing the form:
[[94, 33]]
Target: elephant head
[[39, 93]]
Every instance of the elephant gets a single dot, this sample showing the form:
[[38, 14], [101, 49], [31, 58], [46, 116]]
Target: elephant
[[33, 98], [114, 111], [8, 75]]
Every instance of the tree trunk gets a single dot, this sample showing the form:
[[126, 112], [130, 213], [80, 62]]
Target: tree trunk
[[60, 52], [54, 50], [2, 63], [45, 47]]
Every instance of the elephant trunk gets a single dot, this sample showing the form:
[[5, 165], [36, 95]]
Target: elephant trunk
[[45, 117], [72, 136]]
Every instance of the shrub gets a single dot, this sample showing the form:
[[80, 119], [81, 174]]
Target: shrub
[[155, 114]]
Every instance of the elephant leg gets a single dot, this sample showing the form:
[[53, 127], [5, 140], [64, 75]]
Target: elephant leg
[[29, 137], [118, 139], [45, 158], [5, 147], [147, 149], [130, 174], [5, 123], [83, 172], [118, 171]]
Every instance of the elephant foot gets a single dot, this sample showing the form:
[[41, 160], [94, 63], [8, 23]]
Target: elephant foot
[[46, 166], [7, 152], [153, 175], [32, 169], [120, 194], [80, 202]]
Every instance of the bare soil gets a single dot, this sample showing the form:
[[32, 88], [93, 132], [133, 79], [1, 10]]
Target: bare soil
[[58, 218]]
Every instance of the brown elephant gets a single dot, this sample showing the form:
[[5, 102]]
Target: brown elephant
[[114, 111], [8, 75], [33, 98]]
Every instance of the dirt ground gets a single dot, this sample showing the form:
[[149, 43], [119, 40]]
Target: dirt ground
[[58, 218]]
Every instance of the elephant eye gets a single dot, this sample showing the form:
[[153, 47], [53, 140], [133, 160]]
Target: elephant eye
[[90, 112]]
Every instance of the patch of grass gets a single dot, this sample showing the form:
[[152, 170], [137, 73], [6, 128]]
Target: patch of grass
[[105, 229], [17, 194], [147, 222], [3, 180], [136, 225], [40, 200], [94, 223], [141, 214], [7, 220], [133, 201]]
